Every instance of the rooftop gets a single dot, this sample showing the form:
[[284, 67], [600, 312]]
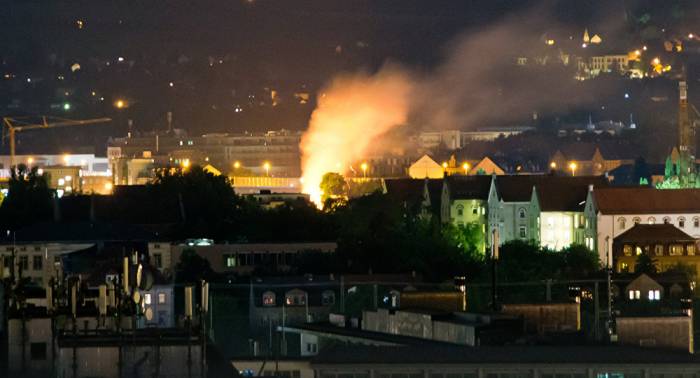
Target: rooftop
[[640, 200], [654, 233]]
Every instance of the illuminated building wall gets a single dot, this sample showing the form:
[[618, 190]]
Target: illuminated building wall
[[557, 229]]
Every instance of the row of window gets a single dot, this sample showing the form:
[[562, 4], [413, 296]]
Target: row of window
[[652, 295], [476, 210], [23, 262], [622, 222], [297, 297], [246, 259], [660, 250]]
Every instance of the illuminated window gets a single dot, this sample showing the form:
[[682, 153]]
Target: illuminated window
[[622, 222], [651, 220], [654, 295], [230, 261], [637, 220], [624, 267], [691, 249], [681, 222], [637, 250], [268, 298], [637, 294], [627, 250], [161, 298], [659, 250], [667, 220], [521, 213], [676, 250], [147, 298], [295, 297]]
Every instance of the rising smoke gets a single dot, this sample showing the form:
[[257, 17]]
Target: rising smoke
[[478, 84]]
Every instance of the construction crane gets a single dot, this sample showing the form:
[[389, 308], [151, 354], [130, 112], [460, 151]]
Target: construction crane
[[19, 124]]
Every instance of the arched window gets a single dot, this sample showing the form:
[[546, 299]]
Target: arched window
[[651, 220], [328, 298], [295, 297], [637, 220], [622, 222], [667, 220], [696, 222], [460, 210], [681, 222], [269, 298], [522, 213]]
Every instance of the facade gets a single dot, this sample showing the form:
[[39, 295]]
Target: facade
[[37, 261], [665, 243], [426, 167], [613, 211], [270, 200], [585, 163], [244, 258], [465, 202]]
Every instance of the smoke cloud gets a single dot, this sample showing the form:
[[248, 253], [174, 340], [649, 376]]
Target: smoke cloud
[[479, 84], [352, 112]]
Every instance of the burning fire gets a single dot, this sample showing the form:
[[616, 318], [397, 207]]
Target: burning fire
[[352, 112]]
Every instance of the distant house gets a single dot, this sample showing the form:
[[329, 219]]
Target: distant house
[[664, 243], [426, 167], [487, 167], [613, 211], [588, 159]]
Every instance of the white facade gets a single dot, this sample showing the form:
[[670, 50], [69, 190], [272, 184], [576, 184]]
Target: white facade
[[38, 261]]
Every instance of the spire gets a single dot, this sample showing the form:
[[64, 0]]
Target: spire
[[586, 37]]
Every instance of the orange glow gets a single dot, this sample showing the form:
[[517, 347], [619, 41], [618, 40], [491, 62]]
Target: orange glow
[[352, 113]]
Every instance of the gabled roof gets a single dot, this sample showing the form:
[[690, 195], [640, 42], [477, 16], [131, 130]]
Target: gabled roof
[[664, 232], [406, 190], [555, 193], [640, 200], [469, 187]]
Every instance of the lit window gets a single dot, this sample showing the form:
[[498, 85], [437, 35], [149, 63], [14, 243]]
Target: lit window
[[268, 298], [631, 292], [637, 251], [691, 249], [295, 298], [230, 261], [657, 295], [651, 220], [161, 298], [637, 294], [676, 250], [659, 250], [627, 250], [147, 298]]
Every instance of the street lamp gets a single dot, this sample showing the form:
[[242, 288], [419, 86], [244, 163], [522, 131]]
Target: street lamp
[[363, 166], [30, 161], [465, 166], [266, 165], [66, 159], [553, 165], [236, 164], [573, 167], [185, 164], [120, 104]]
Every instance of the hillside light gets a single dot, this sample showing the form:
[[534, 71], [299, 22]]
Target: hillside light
[[266, 165], [465, 166], [237, 164], [364, 167], [66, 106], [30, 161], [553, 165], [185, 163], [573, 167], [120, 104]]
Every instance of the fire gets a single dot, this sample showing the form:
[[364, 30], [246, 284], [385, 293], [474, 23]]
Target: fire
[[352, 113]]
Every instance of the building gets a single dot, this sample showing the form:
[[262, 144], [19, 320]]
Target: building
[[613, 211], [426, 167], [270, 200], [465, 202], [665, 243], [419, 196], [243, 259], [456, 139], [588, 160]]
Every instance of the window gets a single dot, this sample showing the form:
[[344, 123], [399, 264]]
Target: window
[[37, 351], [654, 295], [158, 260], [156, 246], [521, 214], [681, 222], [636, 220], [230, 261], [475, 210], [295, 297], [667, 220], [690, 248], [147, 298], [627, 250], [659, 250], [635, 294], [637, 250], [24, 262], [523, 232], [268, 298], [651, 220], [460, 210], [37, 262], [622, 222], [624, 267], [676, 250], [696, 222], [328, 298], [161, 298]]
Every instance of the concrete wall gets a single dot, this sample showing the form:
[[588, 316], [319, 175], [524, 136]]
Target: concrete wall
[[672, 332], [547, 317], [36, 331], [418, 325], [454, 333]]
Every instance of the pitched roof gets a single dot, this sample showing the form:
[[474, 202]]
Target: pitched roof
[[469, 187], [555, 193], [654, 233], [640, 200], [406, 189]]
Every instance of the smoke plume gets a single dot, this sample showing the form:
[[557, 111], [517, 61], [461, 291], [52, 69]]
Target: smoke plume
[[352, 112]]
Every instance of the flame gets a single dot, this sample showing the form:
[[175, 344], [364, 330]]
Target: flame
[[352, 113]]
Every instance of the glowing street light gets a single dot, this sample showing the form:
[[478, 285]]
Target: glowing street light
[[30, 161], [573, 167], [185, 163], [266, 165], [66, 159], [465, 166], [364, 167], [108, 186], [236, 164], [553, 165], [120, 104]]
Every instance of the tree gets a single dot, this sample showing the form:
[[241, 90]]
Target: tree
[[29, 199], [580, 261], [333, 185], [192, 268], [641, 172], [645, 264]]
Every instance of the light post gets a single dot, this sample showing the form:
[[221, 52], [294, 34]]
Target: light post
[[465, 166], [573, 167], [363, 166], [266, 166]]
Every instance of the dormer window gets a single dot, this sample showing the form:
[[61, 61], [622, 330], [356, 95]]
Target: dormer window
[[295, 297], [268, 298]]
